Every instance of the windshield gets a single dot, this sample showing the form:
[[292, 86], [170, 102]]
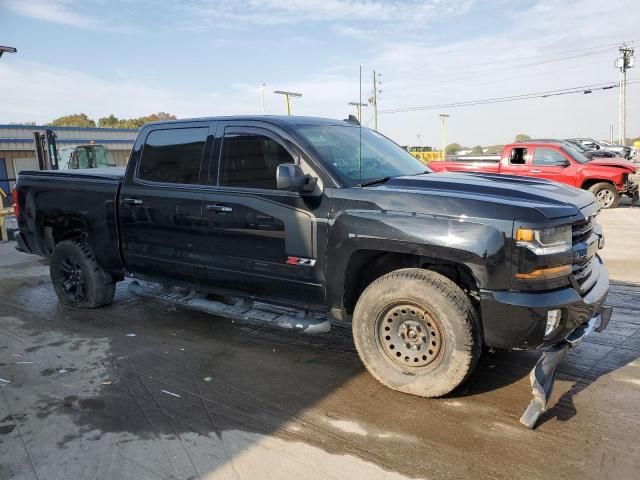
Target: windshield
[[575, 154], [339, 146]]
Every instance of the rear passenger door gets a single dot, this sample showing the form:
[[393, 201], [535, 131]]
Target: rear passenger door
[[262, 240], [515, 161], [161, 202]]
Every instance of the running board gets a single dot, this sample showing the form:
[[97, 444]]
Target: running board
[[239, 309]]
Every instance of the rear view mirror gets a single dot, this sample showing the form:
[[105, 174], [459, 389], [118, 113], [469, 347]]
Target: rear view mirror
[[291, 177]]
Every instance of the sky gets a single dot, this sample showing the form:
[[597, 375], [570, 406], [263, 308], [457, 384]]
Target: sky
[[198, 58]]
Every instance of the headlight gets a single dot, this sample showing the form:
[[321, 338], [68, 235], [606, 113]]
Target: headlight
[[545, 241]]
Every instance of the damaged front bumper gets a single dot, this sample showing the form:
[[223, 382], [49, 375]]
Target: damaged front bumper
[[543, 375]]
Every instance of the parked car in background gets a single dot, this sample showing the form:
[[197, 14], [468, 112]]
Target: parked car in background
[[601, 153], [592, 144], [606, 178]]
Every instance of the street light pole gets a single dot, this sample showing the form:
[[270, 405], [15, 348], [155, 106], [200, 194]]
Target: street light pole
[[7, 50], [443, 117], [286, 97], [262, 85], [358, 106]]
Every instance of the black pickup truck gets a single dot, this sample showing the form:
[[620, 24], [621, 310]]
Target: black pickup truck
[[324, 215]]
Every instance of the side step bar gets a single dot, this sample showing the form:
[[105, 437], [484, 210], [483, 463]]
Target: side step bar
[[240, 309]]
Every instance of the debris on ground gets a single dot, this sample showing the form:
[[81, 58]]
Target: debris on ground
[[170, 393], [4, 382], [207, 379], [24, 363], [109, 382], [131, 334]]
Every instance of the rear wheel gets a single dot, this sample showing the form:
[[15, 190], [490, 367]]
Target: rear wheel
[[77, 278], [416, 332], [606, 194]]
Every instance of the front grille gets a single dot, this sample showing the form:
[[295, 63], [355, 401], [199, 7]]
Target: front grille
[[582, 229], [583, 264]]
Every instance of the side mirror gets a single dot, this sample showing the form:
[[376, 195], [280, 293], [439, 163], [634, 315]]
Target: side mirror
[[291, 177]]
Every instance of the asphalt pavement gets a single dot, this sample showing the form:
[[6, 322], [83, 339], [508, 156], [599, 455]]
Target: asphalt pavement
[[142, 390]]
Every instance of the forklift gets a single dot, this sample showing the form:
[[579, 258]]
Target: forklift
[[90, 155]]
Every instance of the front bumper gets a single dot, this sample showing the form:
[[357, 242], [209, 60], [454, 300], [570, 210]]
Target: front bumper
[[512, 319]]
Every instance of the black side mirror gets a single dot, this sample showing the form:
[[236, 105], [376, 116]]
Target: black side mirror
[[291, 177]]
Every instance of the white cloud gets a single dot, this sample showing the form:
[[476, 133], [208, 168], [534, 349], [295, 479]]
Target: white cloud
[[56, 11], [280, 12], [55, 92]]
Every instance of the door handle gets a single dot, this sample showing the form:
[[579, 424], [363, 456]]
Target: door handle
[[215, 207], [536, 171], [132, 201]]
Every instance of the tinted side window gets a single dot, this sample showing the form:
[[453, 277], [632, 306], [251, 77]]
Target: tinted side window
[[251, 161], [548, 157], [173, 155]]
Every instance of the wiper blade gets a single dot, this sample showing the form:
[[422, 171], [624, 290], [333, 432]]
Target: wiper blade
[[373, 181]]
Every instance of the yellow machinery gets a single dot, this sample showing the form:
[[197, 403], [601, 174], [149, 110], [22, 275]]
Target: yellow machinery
[[426, 154], [4, 213]]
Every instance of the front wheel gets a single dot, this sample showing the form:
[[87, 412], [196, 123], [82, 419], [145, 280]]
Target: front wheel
[[77, 278], [416, 332], [606, 194]]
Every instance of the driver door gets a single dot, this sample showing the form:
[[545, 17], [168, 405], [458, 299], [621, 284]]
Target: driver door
[[262, 241], [552, 164]]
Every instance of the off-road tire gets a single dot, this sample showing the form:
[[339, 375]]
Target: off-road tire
[[606, 194], [440, 300], [98, 286]]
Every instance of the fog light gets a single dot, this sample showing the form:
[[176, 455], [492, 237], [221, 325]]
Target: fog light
[[553, 320]]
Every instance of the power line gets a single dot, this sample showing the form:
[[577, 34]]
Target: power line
[[606, 47], [525, 96], [448, 77]]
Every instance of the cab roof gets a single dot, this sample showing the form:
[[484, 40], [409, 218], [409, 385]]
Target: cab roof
[[280, 120]]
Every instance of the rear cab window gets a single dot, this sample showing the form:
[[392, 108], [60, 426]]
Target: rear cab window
[[518, 156], [173, 155]]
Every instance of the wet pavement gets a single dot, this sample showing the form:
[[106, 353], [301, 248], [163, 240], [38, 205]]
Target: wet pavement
[[142, 390]]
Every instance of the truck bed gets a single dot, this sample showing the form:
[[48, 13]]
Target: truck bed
[[110, 173], [60, 202], [474, 163]]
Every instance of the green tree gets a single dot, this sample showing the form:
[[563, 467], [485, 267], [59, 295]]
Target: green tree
[[108, 122], [114, 122], [74, 120], [522, 137], [477, 150], [452, 148]]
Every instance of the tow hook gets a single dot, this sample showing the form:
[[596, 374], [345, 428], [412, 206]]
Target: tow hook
[[543, 375]]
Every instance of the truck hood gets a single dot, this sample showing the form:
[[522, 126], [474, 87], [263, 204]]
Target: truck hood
[[551, 199], [613, 162]]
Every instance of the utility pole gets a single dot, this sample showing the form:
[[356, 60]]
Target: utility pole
[[443, 117], [358, 106], [262, 85], [286, 97], [611, 133], [623, 63], [374, 100]]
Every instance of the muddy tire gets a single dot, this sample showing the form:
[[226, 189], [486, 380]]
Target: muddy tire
[[417, 332], [77, 278], [606, 194]]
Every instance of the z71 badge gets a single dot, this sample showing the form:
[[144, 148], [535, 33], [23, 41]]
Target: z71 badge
[[309, 262]]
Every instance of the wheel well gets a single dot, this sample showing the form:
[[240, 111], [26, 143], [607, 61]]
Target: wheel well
[[57, 229], [367, 265], [591, 182]]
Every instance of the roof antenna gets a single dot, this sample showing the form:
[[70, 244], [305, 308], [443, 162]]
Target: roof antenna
[[360, 129]]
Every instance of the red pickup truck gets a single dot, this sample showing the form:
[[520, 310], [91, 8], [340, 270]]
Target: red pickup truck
[[606, 178]]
